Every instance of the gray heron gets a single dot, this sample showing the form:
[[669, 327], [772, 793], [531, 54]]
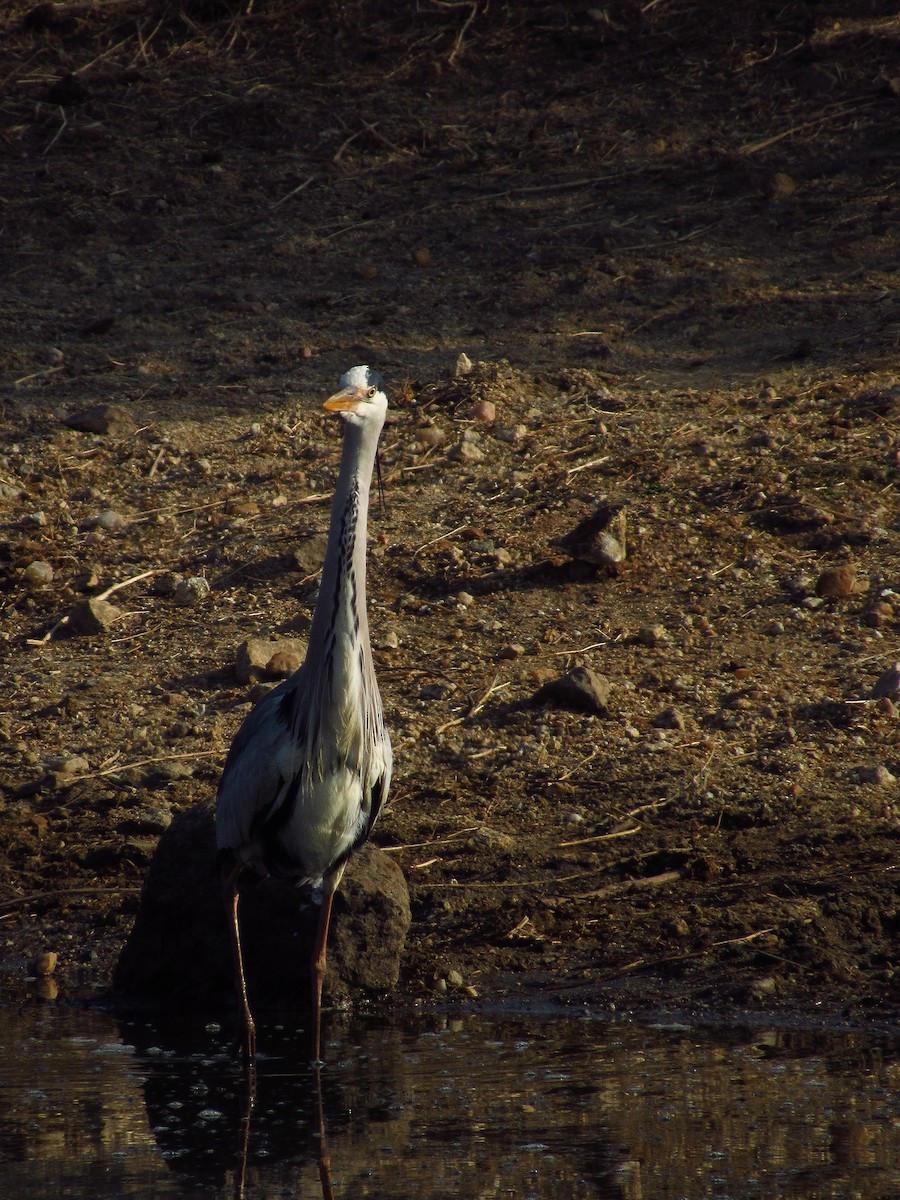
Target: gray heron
[[310, 767]]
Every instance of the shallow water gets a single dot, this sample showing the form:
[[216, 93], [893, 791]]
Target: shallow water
[[470, 1107]]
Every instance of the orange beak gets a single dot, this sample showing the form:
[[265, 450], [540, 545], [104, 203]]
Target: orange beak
[[346, 400]]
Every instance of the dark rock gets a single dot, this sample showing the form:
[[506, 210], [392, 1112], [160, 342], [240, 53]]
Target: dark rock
[[579, 688], [259, 659], [178, 952], [93, 616], [110, 419], [836, 583], [599, 539], [887, 684]]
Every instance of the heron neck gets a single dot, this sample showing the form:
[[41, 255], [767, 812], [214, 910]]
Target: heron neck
[[340, 618]]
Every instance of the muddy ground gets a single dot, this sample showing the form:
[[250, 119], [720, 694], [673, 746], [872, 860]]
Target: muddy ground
[[666, 237]]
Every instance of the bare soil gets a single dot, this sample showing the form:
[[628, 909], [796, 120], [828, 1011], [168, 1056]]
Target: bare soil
[[666, 237]]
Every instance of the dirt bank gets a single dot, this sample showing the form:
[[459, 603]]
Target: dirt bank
[[667, 241]]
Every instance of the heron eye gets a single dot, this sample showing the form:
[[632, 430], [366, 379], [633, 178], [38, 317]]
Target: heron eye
[[371, 392]]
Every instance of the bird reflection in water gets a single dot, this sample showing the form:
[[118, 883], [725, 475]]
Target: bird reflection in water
[[215, 1124]]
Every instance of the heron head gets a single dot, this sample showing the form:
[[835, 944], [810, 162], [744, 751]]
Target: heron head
[[361, 396]]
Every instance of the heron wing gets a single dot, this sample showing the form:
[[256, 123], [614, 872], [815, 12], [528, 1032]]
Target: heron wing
[[254, 782]]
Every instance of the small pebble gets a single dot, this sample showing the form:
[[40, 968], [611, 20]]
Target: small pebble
[[109, 521], [511, 650], [431, 435], [875, 774], [836, 583], [455, 979], [166, 583], [465, 599], [254, 656], [580, 688], [761, 989], [93, 616], [511, 433], [390, 641], [465, 452], [109, 419], [191, 591], [669, 718], [780, 186], [38, 574], [68, 764], [887, 684], [283, 663], [881, 613], [421, 256], [652, 635], [484, 411], [43, 964], [463, 365]]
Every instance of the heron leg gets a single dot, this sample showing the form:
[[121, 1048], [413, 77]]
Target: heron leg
[[320, 948], [230, 890]]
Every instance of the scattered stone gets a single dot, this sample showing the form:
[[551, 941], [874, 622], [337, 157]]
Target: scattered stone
[[431, 435], [93, 616], [155, 819], [166, 583], [875, 774], [463, 366], [68, 764], [511, 650], [435, 691], [9, 492], [254, 656], [879, 614], [486, 838], [179, 953], [43, 964], [599, 539], [511, 433], [38, 573], [762, 989], [243, 508], [390, 641], [421, 256], [773, 628], [309, 554], [836, 583], [169, 771], [110, 419], [455, 979], [367, 271], [465, 452], [678, 926], [87, 579], [484, 411], [465, 599], [580, 688], [190, 591], [887, 684], [780, 186], [283, 663], [668, 718], [652, 635], [109, 521]]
